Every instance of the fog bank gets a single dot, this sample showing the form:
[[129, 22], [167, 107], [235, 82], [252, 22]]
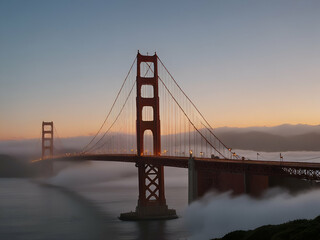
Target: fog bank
[[218, 214]]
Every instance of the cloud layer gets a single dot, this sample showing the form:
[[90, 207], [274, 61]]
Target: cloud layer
[[217, 214]]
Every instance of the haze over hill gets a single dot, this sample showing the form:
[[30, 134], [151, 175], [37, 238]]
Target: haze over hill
[[281, 130], [285, 137]]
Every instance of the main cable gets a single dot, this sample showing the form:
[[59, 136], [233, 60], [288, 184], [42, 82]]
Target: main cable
[[124, 104], [209, 126], [92, 148], [114, 102]]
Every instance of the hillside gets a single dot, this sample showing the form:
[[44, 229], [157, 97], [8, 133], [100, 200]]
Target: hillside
[[261, 141], [13, 167], [294, 230]]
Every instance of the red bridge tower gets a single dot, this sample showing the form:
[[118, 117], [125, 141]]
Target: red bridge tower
[[47, 139], [152, 202], [47, 148]]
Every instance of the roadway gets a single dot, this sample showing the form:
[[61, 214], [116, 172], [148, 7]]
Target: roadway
[[303, 170]]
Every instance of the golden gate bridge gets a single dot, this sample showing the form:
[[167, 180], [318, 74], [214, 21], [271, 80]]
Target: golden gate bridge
[[153, 123]]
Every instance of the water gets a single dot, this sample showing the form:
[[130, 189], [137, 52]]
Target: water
[[85, 203], [87, 199], [31, 211]]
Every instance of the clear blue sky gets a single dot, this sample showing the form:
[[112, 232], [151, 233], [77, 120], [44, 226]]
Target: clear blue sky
[[253, 62]]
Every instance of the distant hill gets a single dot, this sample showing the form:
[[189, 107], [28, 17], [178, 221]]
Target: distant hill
[[286, 137], [281, 130], [260, 141]]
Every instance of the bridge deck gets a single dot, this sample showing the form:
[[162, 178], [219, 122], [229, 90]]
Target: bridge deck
[[304, 170], [179, 161]]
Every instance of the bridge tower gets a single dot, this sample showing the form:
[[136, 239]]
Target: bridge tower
[[151, 202], [47, 139]]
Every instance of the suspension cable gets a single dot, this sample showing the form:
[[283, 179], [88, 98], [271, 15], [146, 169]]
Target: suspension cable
[[188, 117], [114, 102], [209, 127], [185, 112], [58, 139], [93, 147], [192, 103]]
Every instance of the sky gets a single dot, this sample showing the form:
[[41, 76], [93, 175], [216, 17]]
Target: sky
[[243, 63]]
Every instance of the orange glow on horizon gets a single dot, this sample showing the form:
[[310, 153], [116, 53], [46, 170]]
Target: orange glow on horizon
[[66, 132]]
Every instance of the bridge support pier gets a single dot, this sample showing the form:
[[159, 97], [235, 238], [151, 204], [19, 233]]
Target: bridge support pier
[[192, 180], [237, 182], [154, 212]]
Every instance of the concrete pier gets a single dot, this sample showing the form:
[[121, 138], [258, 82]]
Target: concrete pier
[[192, 180]]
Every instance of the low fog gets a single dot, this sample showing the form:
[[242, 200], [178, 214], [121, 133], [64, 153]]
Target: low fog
[[218, 214], [212, 216], [281, 138], [91, 173], [215, 214], [108, 173]]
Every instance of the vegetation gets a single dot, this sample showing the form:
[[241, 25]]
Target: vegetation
[[294, 230]]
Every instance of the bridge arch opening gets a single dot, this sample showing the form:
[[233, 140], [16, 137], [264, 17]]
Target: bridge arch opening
[[147, 69], [147, 91], [148, 143], [147, 113]]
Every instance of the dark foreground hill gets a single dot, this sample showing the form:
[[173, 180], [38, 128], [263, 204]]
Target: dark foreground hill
[[294, 230], [15, 167], [12, 167]]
